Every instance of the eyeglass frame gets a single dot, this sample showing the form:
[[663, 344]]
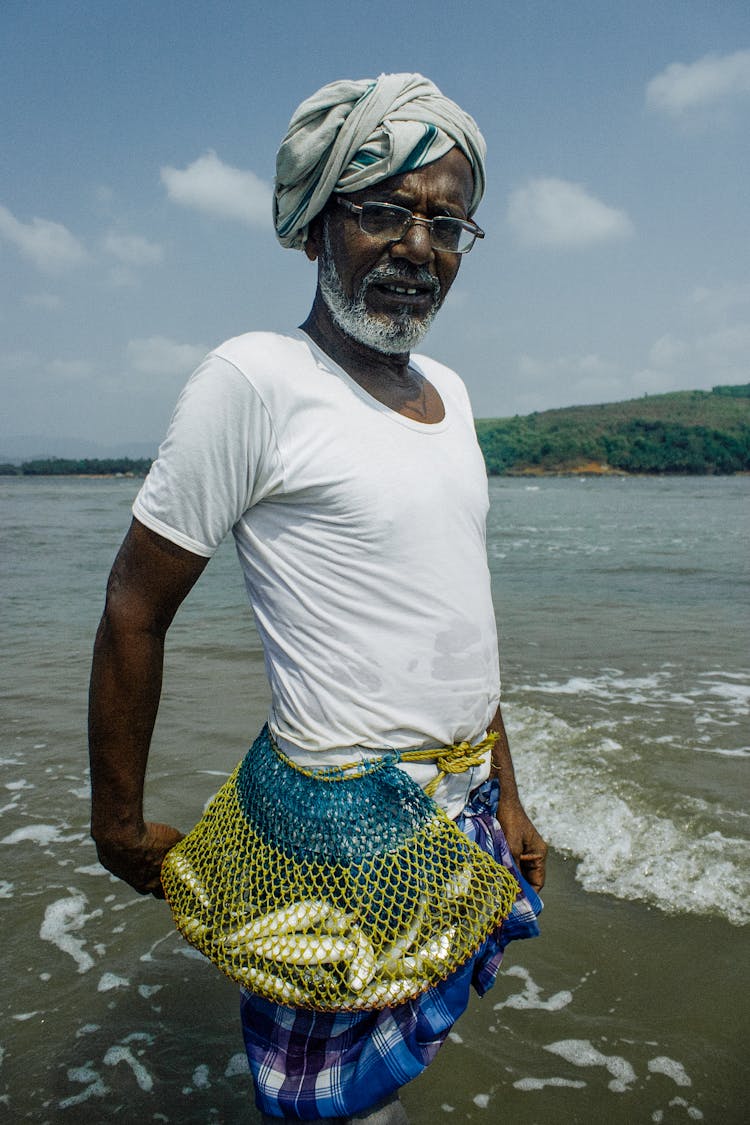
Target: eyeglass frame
[[467, 224]]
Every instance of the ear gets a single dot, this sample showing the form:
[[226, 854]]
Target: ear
[[314, 240]]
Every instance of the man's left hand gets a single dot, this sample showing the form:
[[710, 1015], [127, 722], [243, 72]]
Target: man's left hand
[[527, 847]]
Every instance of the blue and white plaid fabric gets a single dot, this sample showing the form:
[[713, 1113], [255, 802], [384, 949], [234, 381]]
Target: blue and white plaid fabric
[[308, 1065]]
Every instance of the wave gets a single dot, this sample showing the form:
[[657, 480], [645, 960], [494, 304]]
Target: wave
[[624, 848], [727, 694]]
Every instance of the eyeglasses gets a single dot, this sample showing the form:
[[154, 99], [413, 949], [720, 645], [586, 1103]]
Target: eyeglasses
[[390, 223]]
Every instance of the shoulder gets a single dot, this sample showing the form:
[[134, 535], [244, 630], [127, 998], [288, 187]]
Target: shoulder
[[254, 367], [258, 354]]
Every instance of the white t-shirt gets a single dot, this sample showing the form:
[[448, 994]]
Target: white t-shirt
[[361, 535]]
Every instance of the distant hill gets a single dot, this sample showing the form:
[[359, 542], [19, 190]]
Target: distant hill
[[15, 448], [681, 432], [82, 467]]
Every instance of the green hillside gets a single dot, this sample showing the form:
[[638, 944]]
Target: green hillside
[[84, 466], [681, 432]]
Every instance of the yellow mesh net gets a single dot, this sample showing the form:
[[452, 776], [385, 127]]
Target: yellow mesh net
[[330, 891]]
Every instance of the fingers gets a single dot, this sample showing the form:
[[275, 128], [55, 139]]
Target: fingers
[[534, 871], [533, 865], [138, 861]]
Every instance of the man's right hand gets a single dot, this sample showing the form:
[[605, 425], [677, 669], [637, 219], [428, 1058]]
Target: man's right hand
[[138, 858], [150, 579]]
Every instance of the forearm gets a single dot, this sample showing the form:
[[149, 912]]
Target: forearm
[[527, 847], [149, 580], [501, 765], [123, 702]]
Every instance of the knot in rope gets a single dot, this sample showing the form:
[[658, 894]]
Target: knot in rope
[[457, 758]]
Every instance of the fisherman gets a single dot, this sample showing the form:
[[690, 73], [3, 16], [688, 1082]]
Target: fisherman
[[348, 471]]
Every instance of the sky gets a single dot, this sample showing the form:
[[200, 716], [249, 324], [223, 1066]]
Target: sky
[[139, 140]]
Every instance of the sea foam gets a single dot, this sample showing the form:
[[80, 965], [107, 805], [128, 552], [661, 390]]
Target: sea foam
[[120, 1053], [531, 996], [581, 1052], [624, 850], [42, 834], [108, 981], [540, 1083], [95, 1087], [62, 919], [671, 1068]]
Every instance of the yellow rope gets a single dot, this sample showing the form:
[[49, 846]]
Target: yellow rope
[[457, 758]]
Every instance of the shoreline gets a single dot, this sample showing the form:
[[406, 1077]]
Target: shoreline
[[598, 469], [588, 469]]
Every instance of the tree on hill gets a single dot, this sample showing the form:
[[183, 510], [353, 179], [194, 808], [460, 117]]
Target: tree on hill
[[680, 432], [85, 466]]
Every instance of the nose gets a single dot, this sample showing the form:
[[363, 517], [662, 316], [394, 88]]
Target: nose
[[415, 246]]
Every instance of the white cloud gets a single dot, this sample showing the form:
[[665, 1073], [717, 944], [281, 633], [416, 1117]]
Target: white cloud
[[590, 364], [49, 246], [667, 351], [735, 337], [133, 249], [19, 360], [703, 360], [122, 276], [558, 213], [219, 189], [70, 369], [721, 299], [158, 355], [48, 301], [683, 88], [726, 347], [564, 379]]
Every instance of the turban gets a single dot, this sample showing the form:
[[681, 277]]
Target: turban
[[351, 134]]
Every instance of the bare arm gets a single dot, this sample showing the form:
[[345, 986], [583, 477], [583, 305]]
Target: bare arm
[[149, 580], [527, 847]]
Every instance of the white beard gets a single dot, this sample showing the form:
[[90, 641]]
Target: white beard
[[391, 334]]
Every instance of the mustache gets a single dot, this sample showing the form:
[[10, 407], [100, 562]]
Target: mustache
[[403, 272]]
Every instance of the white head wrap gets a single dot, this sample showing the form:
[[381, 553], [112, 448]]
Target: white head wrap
[[351, 134]]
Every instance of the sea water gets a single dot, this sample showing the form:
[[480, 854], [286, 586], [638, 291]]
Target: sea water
[[622, 608]]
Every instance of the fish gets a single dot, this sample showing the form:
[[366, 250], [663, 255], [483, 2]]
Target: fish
[[303, 915], [303, 949], [180, 866]]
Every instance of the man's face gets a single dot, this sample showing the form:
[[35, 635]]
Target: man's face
[[386, 295]]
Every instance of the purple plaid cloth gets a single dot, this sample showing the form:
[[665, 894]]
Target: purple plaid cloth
[[308, 1065]]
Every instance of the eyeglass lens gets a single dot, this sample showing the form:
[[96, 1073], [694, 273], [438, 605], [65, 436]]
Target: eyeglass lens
[[385, 220]]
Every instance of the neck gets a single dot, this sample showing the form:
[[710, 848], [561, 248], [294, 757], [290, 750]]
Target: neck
[[362, 363], [388, 378]]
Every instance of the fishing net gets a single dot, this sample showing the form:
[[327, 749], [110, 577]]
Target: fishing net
[[334, 889]]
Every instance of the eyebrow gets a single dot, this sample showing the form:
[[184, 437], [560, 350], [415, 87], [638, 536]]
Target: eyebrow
[[402, 198]]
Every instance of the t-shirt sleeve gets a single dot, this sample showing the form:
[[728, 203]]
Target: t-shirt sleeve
[[219, 458]]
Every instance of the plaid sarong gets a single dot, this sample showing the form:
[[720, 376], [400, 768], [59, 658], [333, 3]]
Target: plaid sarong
[[308, 1064]]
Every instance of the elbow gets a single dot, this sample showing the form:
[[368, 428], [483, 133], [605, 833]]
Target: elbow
[[126, 620]]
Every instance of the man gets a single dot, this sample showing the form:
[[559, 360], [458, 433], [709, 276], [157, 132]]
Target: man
[[349, 474]]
